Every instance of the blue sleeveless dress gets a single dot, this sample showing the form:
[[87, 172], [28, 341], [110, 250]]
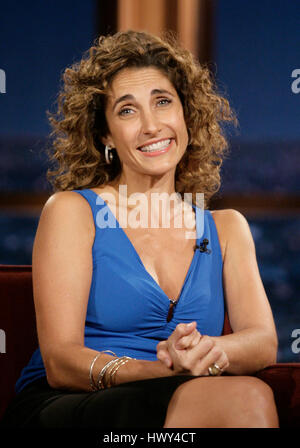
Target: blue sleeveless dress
[[127, 310]]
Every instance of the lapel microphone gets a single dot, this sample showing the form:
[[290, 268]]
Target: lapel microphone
[[203, 246]]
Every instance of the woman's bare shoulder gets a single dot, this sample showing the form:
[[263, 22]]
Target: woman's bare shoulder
[[63, 197], [64, 207], [226, 215], [227, 221]]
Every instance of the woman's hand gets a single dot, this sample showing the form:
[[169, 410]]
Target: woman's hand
[[186, 351]]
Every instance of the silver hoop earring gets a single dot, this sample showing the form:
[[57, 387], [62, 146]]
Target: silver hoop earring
[[108, 154]]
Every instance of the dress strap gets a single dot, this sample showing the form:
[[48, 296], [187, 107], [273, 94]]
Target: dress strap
[[91, 198], [200, 220]]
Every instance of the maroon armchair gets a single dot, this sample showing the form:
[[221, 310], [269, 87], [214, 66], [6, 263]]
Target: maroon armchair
[[18, 340]]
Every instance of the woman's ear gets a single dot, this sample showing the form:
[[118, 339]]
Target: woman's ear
[[107, 141]]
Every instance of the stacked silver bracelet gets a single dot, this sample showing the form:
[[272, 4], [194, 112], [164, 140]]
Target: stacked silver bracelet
[[92, 382], [111, 367]]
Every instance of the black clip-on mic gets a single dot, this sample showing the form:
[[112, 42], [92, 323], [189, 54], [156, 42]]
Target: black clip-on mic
[[203, 246]]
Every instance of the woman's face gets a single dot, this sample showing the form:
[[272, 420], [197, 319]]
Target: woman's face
[[143, 107]]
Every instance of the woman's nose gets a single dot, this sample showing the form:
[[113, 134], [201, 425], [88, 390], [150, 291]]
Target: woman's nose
[[150, 123]]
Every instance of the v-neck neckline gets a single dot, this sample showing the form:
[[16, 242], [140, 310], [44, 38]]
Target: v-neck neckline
[[139, 258]]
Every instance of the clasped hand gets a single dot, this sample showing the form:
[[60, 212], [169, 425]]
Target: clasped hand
[[186, 351]]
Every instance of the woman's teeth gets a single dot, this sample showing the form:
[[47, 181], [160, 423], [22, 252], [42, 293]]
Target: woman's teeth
[[156, 146]]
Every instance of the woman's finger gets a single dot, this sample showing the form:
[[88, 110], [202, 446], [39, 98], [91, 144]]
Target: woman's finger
[[203, 347], [180, 331], [188, 341], [163, 354], [195, 341], [194, 355], [215, 356]]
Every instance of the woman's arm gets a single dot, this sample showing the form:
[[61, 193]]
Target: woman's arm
[[62, 269], [253, 343]]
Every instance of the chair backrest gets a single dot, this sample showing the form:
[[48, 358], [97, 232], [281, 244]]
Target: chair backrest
[[18, 335]]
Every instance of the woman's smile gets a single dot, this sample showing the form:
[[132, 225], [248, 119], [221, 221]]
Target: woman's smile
[[157, 149]]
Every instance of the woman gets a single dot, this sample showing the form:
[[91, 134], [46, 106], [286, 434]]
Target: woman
[[130, 321]]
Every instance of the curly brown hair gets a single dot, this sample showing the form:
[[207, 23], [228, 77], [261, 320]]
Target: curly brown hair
[[79, 122]]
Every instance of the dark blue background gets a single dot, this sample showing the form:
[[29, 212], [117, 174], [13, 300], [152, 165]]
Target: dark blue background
[[38, 39], [257, 48]]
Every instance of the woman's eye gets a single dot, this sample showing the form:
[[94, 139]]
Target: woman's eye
[[165, 99], [123, 110], [160, 101]]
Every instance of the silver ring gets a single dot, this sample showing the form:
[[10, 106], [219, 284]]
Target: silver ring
[[214, 370]]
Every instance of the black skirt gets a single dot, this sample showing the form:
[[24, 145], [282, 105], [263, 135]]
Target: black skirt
[[137, 404]]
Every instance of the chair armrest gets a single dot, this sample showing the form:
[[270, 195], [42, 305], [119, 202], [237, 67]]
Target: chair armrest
[[284, 379]]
